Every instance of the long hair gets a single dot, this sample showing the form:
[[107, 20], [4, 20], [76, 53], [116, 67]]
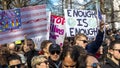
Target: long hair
[[82, 57]]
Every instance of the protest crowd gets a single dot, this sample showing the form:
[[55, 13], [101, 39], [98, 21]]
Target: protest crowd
[[75, 51]]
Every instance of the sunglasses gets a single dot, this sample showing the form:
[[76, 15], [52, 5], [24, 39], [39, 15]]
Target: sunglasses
[[18, 66], [117, 50], [84, 41], [53, 52], [46, 62]]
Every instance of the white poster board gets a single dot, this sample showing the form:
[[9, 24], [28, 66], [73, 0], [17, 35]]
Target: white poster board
[[81, 21], [57, 29]]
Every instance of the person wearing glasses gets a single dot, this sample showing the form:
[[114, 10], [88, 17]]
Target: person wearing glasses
[[85, 60], [113, 57], [14, 61], [92, 47], [39, 62], [54, 58], [45, 48]]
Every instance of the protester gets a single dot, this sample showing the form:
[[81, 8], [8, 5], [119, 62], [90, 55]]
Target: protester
[[24, 48], [82, 40], [54, 58], [92, 62], [113, 58], [67, 41], [86, 60], [102, 54], [14, 61], [45, 48], [39, 62], [3, 57], [12, 47], [117, 35], [30, 52], [69, 57]]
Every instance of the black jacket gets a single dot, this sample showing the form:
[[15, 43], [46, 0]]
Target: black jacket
[[93, 47], [110, 64], [54, 64], [29, 55]]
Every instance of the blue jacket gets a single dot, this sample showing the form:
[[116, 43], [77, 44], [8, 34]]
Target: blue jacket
[[93, 47]]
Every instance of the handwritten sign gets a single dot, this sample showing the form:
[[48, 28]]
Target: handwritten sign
[[57, 29], [80, 21]]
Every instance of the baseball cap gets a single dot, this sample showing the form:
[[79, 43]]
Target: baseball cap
[[54, 47]]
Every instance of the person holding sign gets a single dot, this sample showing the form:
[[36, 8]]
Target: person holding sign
[[92, 48]]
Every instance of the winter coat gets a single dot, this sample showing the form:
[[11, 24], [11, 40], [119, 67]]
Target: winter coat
[[110, 64], [93, 47], [54, 64]]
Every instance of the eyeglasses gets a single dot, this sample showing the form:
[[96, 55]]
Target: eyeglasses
[[18, 66], [117, 50], [46, 62], [94, 65], [53, 52], [84, 41]]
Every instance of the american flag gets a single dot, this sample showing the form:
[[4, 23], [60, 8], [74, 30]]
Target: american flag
[[34, 22]]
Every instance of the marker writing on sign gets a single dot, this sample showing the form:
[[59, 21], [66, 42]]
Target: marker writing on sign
[[90, 31], [80, 13]]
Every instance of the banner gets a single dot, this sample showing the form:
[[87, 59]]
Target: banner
[[57, 29], [81, 21], [38, 39], [33, 23]]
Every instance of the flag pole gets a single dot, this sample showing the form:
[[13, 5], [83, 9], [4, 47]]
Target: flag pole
[[97, 12]]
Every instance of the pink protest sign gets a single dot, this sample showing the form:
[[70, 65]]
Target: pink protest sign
[[57, 29]]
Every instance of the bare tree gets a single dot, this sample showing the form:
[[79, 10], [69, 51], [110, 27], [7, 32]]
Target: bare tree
[[4, 4], [9, 4]]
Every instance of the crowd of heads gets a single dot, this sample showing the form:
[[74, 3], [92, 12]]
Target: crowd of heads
[[72, 54]]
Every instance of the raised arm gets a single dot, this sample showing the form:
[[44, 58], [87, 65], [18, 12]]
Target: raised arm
[[95, 45]]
